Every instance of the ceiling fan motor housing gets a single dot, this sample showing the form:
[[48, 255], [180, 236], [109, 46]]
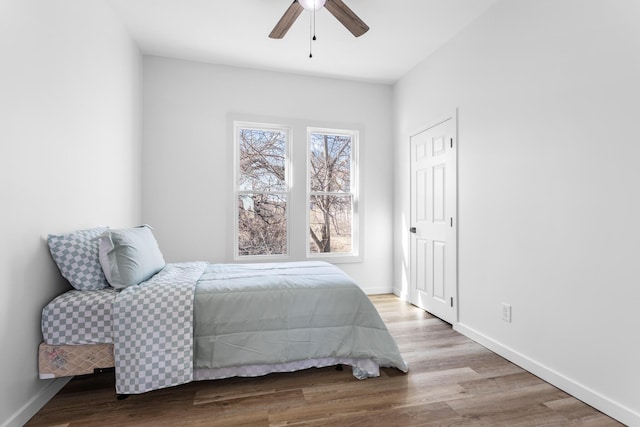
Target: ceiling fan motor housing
[[312, 4]]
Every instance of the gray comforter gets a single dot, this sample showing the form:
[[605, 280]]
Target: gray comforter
[[214, 316], [275, 313]]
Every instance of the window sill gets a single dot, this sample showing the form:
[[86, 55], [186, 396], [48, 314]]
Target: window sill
[[330, 258], [336, 258]]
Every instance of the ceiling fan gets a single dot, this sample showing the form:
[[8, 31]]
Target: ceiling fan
[[336, 7]]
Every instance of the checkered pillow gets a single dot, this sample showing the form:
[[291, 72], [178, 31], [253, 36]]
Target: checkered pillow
[[76, 255]]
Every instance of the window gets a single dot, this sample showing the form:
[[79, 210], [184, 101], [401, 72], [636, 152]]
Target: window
[[262, 189], [331, 191], [295, 197]]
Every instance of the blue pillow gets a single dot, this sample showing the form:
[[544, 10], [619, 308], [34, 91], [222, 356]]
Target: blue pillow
[[76, 255], [129, 256]]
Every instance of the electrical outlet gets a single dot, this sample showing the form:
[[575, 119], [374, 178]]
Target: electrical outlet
[[506, 312]]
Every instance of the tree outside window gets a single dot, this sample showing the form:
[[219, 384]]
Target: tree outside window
[[262, 190], [274, 218], [331, 191]]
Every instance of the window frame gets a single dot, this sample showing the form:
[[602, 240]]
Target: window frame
[[237, 192], [356, 220], [297, 175]]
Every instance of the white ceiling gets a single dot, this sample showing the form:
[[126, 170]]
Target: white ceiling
[[235, 32]]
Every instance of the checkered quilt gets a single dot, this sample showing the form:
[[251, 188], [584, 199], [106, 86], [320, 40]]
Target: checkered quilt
[[153, 330]]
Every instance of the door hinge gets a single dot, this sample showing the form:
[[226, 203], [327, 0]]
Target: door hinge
[[451, 141], [451, 301], [451, 220]]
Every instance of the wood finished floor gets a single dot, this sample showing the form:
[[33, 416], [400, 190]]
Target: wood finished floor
[[452, 382]]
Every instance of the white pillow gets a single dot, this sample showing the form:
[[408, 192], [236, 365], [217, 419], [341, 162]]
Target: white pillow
[[129, 256]]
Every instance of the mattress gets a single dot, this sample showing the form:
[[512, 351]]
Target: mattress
[[79, 317]]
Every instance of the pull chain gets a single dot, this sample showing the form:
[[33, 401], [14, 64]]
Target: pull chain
[[310, 38], [314, 20], [312, 30]]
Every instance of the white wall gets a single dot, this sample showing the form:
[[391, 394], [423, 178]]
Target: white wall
[[70, 159], [188, 153], [549, 146]]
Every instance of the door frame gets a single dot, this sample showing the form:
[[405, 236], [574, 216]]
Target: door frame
[[451, 115]]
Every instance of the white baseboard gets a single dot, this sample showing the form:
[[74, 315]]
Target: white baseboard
[[36, 403], [590, 397], [403, 295], [377, 291]]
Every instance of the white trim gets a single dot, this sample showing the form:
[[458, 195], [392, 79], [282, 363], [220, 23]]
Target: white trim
[[580, 391], [288, 131], [297, 212], [36, 403], [409, 294], [452, 115], [356, 214], [378, 290], [402, 294]]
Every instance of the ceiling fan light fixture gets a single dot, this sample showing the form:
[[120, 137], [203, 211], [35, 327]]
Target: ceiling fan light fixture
[[337, 8], [312, 4]]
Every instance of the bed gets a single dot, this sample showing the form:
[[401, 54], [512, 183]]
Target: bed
[[181, 322]]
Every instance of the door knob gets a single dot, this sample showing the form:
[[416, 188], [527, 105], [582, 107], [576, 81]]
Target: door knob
[[413, 229]]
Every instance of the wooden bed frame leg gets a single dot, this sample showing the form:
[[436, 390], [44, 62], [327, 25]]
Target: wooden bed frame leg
[[122, 396], [339, 367]]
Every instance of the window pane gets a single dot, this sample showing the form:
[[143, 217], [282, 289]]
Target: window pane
[[262, 160], [330, 223], [330, 163], [262, 224]]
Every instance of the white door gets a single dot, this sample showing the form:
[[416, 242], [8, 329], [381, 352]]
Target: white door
[[433, 220]]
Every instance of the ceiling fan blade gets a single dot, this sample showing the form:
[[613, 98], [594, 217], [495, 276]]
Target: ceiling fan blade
[[346, 16], [287, 20]]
